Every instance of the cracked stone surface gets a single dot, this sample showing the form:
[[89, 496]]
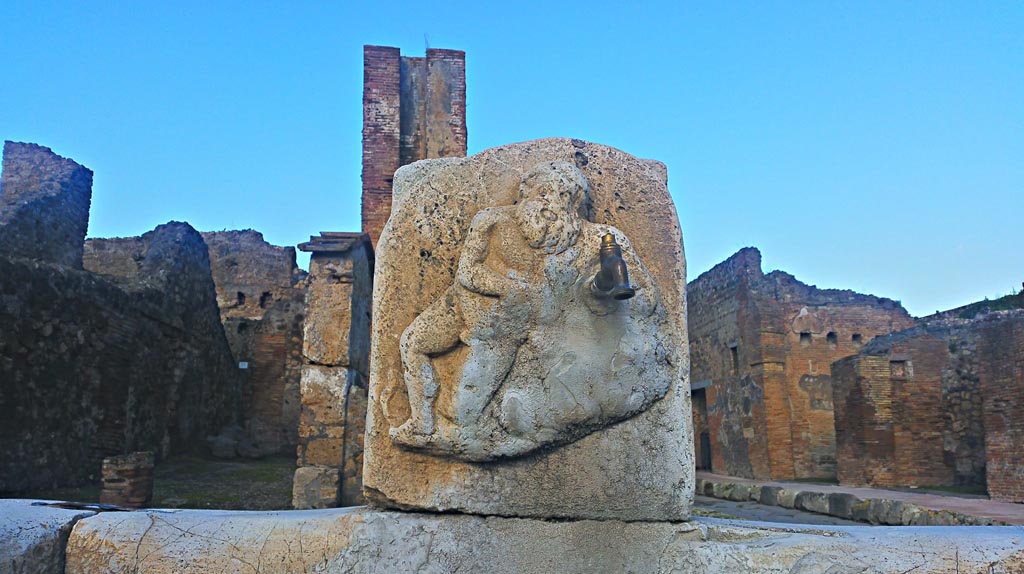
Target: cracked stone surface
[[539, 453], [357, 540], [32, 538]]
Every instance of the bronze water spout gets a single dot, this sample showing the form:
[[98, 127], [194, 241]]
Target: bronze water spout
[[613, 278]]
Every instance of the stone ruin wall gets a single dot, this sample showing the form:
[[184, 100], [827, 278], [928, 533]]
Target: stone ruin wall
[[766, 343], [261, 295], [935, 405], [908, 410], [93, 365], [1002, 388], [336, 372], [413, 109], [44, 205]]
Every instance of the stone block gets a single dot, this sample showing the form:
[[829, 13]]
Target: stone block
[[812, 502], [323, 394], [360, 540], [315, 487], [32, 538], [769, 495], [786, 498], [861, 511], [323, 451], [326, 329], [540, 366], [755, 492], [841, 504]]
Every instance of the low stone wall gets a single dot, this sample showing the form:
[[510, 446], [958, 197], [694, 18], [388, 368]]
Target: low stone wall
[[838, 504], [356, 540]]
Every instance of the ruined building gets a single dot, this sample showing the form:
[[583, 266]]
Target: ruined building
[[938, 404], [761, 347], [107, 346], [413, 109], [261, 295]]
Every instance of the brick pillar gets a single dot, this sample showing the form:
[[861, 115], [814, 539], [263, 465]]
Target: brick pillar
[[128, 480], [381, 133], [446, 103]]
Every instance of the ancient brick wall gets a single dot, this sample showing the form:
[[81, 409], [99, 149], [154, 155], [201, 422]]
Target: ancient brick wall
[[96, 365], [908, 411], [334, 380], [44, 205], [725, 351], [766, 342], [862, 394], [261, 296], [413, 109], [1002, 368], [810, 329]]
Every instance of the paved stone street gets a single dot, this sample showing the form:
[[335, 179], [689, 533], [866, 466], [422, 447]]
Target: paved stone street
[[759, 512]]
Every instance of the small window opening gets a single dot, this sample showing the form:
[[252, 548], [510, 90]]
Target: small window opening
[[734, 352], [898, 369], [265, 299], [857, 339], [833, 339], [805, 338], [241, 298]]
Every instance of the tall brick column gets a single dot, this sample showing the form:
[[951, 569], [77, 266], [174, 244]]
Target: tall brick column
[[381, 129], [413, 109]]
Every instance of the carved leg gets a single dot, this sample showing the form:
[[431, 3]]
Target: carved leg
[[486, 368], [435, 330]]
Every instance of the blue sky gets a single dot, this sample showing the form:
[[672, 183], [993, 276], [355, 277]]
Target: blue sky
[[876, 146]]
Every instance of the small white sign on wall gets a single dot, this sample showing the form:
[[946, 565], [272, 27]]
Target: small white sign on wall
[[243, 365]]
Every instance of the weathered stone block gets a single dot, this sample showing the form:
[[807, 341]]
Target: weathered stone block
[[812, 502], [323, 451], [770, 495], [786, 498], [32, 538], [369, 541], [323, 394], [315, 487], [841, 504], [599, 448], [329, 304]]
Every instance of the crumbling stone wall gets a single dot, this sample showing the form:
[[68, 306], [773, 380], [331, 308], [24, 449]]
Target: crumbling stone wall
[[765, 343], [413, 109], [44, 205], [261, 296], [909, 406], [336, 349], [96, 365], [1002, 385]]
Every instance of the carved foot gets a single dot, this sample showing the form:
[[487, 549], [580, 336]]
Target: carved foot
[[412, 433]]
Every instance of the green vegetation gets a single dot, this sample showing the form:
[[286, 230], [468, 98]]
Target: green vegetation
[[1004, 303]]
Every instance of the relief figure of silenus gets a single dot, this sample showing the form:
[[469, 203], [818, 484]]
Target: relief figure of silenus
[[553, 328]]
